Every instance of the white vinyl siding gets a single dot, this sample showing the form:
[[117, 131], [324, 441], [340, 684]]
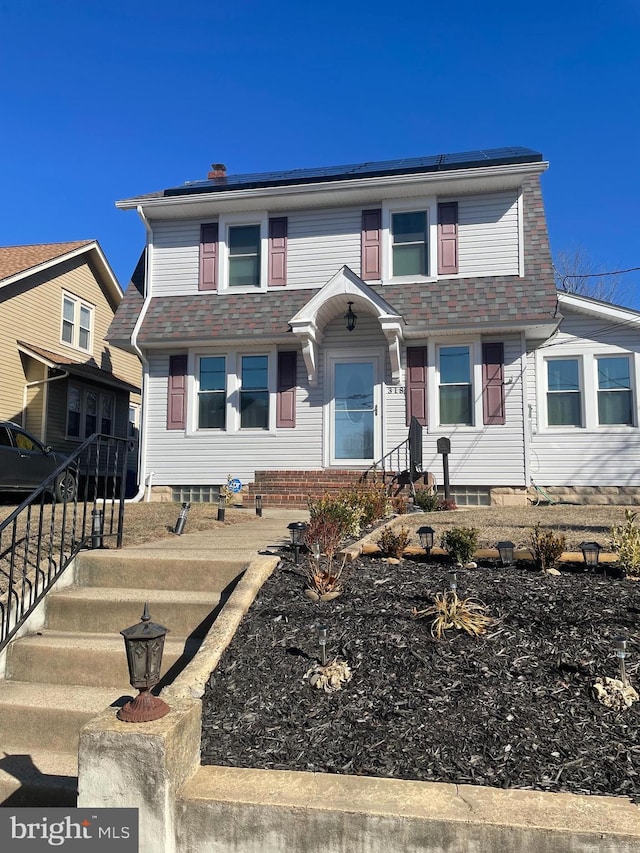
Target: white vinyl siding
[[596, 454], [175, 258], [488, 234], [320, 242]]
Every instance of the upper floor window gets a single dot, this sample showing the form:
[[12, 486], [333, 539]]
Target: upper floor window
[[77, 321], [89, 411], [212, 392], [409, 243], [564, 393], [244, 255], [615, 398], [455, 386], [254, 392]]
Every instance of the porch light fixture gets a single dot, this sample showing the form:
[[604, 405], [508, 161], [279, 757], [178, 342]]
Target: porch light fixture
[[182, 519], [426, 535], [322, 641], [296, 532], [505, 549], [144, 644], [350, 318], [591, 553], [259, 506], [621, 653]]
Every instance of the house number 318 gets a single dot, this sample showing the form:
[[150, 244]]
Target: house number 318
[[395, 389]]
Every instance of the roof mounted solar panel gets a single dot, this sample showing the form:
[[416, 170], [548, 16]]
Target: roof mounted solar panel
[[384, 168]]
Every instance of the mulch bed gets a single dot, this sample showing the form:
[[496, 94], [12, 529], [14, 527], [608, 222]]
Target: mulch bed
[[510, 709]]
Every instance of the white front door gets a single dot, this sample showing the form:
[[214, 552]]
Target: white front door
[[354, 415]]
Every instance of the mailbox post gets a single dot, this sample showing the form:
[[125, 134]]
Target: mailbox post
[[444, 447]]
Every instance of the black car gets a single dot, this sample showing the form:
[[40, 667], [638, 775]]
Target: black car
[[25, 462]]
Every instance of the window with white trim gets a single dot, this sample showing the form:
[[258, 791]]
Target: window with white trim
[[455, 385], [244, 255], [615, 395], [77, 323], [89, 411], [254, 392], [212, 392], [234, 391], [564, 392], [409, 243]]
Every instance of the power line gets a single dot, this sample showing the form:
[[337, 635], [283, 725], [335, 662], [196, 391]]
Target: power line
[[594, 274]]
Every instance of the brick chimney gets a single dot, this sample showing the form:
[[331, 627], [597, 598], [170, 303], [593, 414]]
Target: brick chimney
[[218, 172]]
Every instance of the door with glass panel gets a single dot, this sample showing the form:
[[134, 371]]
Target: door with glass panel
[[354, 417]]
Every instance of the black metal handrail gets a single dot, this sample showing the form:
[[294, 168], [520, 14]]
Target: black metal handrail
[[40, 538], [404, 462]]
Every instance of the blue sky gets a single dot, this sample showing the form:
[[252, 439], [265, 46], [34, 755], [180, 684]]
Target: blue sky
[[104, 101]]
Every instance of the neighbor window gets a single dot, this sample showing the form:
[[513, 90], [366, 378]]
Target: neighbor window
[[244, 255], [212, 393], [77, 318], [615, 400], [564, 395], [254, 392], [455, 385], [409, 243], [89, 411]]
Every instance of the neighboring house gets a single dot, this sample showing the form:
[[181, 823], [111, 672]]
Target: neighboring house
[[243, 316], [60, 380]]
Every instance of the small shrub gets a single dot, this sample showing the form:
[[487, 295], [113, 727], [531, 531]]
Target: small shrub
[[393, 542], [433, 502], [326, 531], [338, 509], [625, 539], [546, 547], [460, 543], [399, 504], [370, 498], [449, 611], [324, 578]]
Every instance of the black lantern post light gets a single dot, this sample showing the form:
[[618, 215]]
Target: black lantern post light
[[182, 519], [144, 644], [350, 318], [296, 531], [505, 549], [259, 506], [426, 535], [591, 553], [621, 653]]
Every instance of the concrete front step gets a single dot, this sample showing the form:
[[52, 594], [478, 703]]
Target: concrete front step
[[135, 569], [92, 660], [37, 778], [106, 610], [49, 715]]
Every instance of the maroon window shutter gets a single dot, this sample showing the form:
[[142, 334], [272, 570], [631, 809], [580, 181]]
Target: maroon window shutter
[[208, 257], [448, 238], [417, 384], [286, 399], [493, 383], [176, 398], [370, 262], [278, 251]]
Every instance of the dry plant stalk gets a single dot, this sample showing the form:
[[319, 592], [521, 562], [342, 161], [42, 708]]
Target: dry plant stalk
[[449, 611], [324, 579]]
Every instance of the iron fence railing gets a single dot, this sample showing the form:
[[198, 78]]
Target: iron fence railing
[[403, 464], [80, 505]]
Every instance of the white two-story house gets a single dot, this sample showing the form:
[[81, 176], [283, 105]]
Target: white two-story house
[[292, 323]]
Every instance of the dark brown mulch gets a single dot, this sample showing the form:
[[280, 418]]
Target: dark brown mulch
[[512, 709]]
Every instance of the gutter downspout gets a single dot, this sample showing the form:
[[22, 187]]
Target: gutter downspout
[[46, 383], [142, 448]]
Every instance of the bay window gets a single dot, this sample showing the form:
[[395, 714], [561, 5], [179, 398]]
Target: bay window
[[89, 411]]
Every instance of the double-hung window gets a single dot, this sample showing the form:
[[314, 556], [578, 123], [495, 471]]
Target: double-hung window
[[244, 255], [212, 393], [77, 319], [89, 411], [564, 393], [254, 392], [455, 388], [615, 397], [409, 243]]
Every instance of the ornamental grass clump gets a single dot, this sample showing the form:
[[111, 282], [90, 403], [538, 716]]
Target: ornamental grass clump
[[625, 540], [449, 611], [460, 543], [546, 547], [393, 542]]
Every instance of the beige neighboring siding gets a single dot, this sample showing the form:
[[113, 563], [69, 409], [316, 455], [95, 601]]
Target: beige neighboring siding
[[31, 311], [35, 396]]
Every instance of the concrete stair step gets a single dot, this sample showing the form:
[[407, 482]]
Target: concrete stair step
[[37, 778], [49, 715], [92, 660], [157, 570], [106, 610]]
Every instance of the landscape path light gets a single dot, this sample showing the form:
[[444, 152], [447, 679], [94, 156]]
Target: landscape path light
[[296, 531], [505, 549], [259, 506], [97, 527], [453, 580], [621, 653], [322, 641], [222, 506], [144, 644], [591, 553], [426, 535], [182, 519]]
